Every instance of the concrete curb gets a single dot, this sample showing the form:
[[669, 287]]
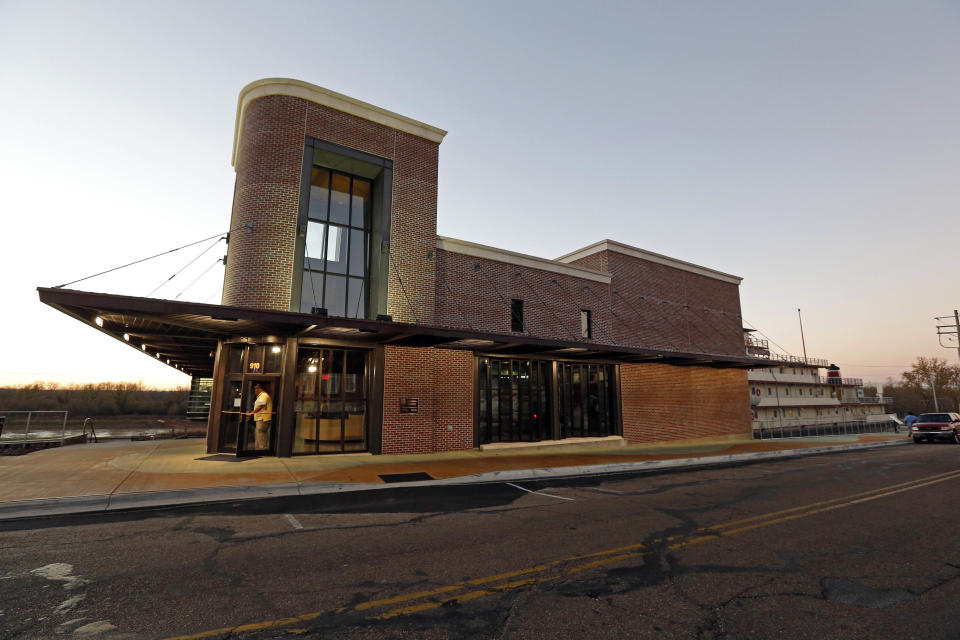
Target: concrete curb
[[115, 503], [653, 465]]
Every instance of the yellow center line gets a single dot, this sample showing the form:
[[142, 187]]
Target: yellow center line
[[453, 587], [511, 574], [466, 597], [407, 596], [733, 523], [600, 563], [605, 557]]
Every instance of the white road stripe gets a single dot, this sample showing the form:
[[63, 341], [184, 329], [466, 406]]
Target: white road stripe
[[537, 493], [293, 521]]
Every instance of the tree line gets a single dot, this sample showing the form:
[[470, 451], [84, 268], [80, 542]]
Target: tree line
[[100, 399], [914, 391]]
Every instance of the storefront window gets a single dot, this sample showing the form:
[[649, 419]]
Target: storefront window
[[514, 400], [331, 401], [587, 401]]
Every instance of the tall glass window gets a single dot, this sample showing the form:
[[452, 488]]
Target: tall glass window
[[331, 403], [337, 249], [514, 400], [587, 400]]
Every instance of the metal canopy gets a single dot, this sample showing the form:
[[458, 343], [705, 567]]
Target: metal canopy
[[185, 334]]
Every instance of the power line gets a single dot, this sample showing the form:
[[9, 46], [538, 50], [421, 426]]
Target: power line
[[463, 316], [306, 256], [556, 317], [396, 270], [952, 331], [248, 225], [514, 315], [878, 366], [215, 243], [766, 336], [216, 262]]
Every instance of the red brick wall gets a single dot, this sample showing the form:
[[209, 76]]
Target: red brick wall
[[661, 402], [671, 308], [442, 381], [259, 269], [480, 298], [646, 305], [596, 261]]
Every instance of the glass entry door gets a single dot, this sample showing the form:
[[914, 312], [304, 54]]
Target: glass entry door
[[246, 366], [258, 427], [331, 402], [514, 400], [242, 430], [231, 415]]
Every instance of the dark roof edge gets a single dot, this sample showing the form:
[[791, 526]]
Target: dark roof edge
[[65, 299]]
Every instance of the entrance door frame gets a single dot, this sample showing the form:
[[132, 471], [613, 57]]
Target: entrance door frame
[[247, 381], [223, 378]]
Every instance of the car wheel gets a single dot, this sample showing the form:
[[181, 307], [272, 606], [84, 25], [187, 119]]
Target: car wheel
[[956, 436], [916, 440]]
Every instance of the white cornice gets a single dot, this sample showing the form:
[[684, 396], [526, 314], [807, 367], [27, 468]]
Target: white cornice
[[327, 98], [519, 259], [619, 247]]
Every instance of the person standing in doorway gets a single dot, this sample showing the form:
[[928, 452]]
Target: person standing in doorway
[[262, 416]]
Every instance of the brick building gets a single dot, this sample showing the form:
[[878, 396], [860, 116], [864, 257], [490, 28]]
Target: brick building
[[372, 333]]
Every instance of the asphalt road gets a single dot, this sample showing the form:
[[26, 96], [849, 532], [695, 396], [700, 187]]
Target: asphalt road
[[853, 545]]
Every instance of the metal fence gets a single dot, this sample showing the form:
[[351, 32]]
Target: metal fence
[[782, 357], [852, 382], [23, 426], [850, 427]]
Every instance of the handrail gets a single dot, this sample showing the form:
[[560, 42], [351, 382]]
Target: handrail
[[246, 413], [837, 428], [787, 359], [856, 382], [30, 414], [93, 432]]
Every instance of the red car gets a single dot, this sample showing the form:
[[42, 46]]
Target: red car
[[936, 426]]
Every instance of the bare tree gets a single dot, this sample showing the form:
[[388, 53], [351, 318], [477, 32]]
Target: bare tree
[[945, 379]]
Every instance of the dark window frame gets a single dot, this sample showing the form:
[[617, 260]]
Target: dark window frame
[[516, 315], [377, 170], [586, 324], [318, 267]]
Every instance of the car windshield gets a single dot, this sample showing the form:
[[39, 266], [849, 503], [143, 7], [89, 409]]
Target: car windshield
[[934, 417]]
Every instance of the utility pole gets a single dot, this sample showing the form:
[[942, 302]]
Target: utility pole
[[956, 326], [952, 330], [804, 342], [933, 387]]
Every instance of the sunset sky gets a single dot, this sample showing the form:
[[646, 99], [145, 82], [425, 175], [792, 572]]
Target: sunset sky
[[812, 148]]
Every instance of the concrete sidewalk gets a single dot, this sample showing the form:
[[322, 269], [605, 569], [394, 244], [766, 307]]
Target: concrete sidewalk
[[121, 475]]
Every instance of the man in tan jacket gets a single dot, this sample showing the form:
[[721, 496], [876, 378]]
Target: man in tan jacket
[[262, 416]]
